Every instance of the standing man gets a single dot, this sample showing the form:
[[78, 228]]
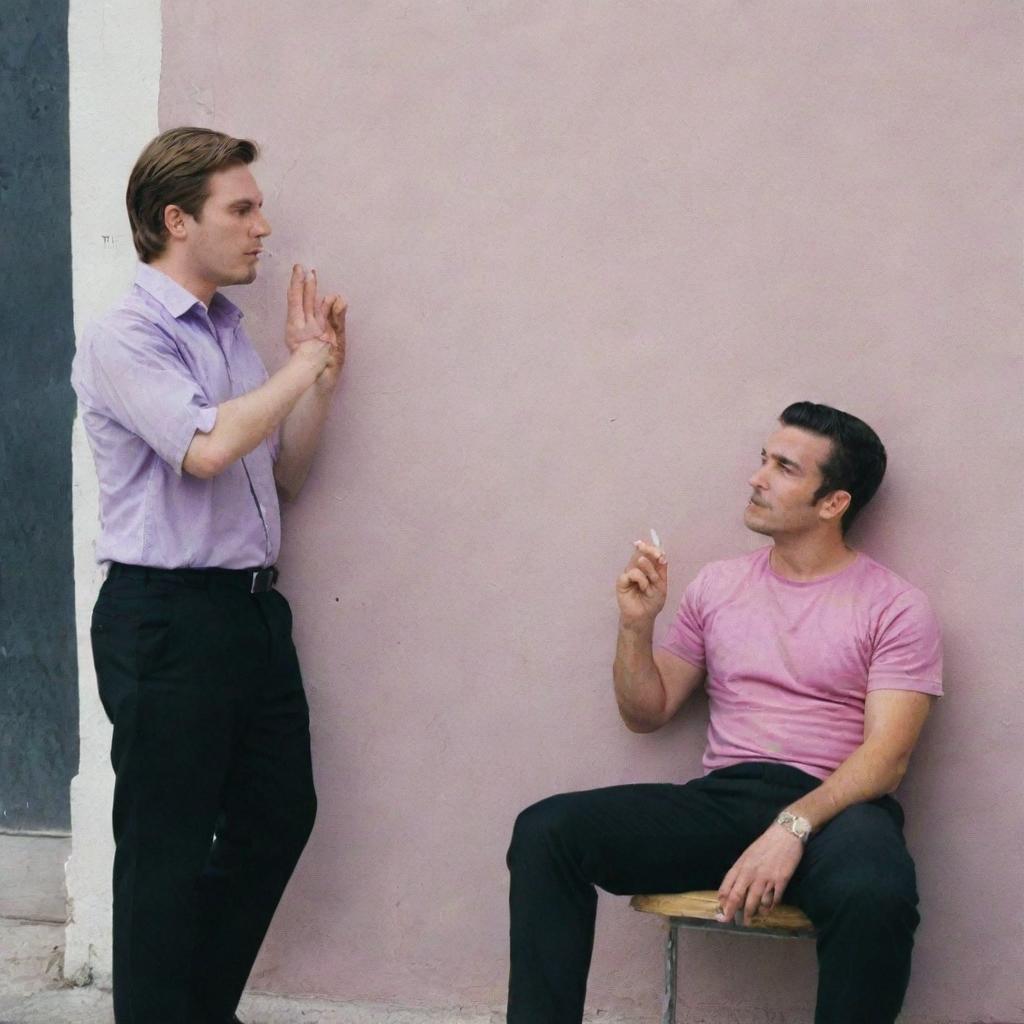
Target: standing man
[[193, 442], [820, 667]]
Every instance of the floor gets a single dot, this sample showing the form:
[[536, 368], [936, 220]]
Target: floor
[[32, 991]]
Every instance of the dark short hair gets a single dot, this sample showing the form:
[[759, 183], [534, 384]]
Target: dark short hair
[[175, 168], [857, 460]]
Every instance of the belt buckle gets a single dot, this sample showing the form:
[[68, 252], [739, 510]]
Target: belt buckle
[[263, 580]]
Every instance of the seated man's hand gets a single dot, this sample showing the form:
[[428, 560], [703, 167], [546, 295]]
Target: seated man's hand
[[643, 585], [759, 878]]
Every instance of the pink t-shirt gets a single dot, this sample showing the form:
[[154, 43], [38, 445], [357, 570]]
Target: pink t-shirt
[[789, 664]]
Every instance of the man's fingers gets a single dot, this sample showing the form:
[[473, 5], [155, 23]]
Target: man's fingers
[[654, 556], [309, 296], [637, 577], [727, 883], [644, 565], [295, 294], [338, 310], [752, 904], [725, 893], [732, 901], [653, 553], [778, 889], [321, 314]]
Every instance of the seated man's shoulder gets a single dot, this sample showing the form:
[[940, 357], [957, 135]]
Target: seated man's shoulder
[[891, 601], [885, 581]]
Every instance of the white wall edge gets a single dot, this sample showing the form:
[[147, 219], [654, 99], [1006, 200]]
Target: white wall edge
[[114, 54]]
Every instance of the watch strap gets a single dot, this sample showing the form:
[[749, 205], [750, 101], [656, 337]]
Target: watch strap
[[795, 825]]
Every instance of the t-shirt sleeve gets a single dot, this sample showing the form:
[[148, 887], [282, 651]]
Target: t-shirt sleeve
[[141, 381], [685, 637], [907, 653]]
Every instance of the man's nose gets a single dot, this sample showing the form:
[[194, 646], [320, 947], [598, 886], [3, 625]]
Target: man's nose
[[262, 227], [757, 479]]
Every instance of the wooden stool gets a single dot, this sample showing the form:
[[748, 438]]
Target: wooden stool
[[697, 910]]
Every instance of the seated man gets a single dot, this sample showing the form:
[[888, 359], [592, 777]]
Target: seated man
[[820, 667]]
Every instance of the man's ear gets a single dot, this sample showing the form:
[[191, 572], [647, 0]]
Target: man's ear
[[834, 505], [174, 221]]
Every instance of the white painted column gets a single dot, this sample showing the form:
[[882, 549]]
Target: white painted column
[[114, 50]]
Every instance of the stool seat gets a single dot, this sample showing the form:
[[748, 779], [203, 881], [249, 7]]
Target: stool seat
[[701, 906]]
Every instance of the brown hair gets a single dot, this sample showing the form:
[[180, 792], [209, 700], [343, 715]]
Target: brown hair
[[175, 168]]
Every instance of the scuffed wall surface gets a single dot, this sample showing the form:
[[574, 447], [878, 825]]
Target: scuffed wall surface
[[591, 251], [38, 675]]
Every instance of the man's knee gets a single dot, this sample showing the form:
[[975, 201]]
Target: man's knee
[[540, 827], [868, 875], [884, 893], [874, 896]]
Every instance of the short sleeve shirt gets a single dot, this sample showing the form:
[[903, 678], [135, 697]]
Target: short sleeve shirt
[[789, 664], [149, 375]]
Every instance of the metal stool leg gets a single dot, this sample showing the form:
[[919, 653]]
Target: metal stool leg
[[668, 1009]]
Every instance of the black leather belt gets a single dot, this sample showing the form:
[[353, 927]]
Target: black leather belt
[[263, 580], [255, 581]]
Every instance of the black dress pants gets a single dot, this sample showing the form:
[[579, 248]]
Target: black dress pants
[[855, 882], [213, 798]]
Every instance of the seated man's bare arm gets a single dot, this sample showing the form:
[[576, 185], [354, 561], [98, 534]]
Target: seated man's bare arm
[[893, 720], [650, 686]]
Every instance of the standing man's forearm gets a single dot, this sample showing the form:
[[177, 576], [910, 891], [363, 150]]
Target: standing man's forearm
[[245, 422], [308, 317], [300, 435]]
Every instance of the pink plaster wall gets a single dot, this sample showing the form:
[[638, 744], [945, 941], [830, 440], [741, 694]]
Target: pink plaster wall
[[592, 249]]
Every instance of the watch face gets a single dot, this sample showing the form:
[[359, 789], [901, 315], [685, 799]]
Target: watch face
[[800, 827]]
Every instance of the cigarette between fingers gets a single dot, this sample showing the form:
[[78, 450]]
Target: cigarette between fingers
[[655, 540]]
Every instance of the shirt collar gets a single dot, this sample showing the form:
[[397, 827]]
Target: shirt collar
[[178, 300], [225, 309]]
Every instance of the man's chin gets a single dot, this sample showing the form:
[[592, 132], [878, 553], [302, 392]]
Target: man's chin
[[246, 276], [751, 522]]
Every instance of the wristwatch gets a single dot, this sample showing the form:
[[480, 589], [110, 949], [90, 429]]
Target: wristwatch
[[800, 827]]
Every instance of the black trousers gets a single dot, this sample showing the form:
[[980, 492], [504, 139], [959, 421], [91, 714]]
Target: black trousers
[[855, 882], [213, 799]]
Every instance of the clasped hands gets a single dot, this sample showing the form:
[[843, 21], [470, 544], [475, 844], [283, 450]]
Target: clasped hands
[[759, 878], [313, 323]]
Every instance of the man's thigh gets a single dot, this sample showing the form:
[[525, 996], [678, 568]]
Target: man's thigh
[[859, 855], [168, 676], [643, 838]]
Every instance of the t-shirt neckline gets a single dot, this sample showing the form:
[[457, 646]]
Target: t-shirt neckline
[[808, 583]]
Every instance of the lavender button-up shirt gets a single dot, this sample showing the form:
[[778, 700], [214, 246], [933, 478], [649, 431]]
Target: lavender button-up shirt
[[148, 375]]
